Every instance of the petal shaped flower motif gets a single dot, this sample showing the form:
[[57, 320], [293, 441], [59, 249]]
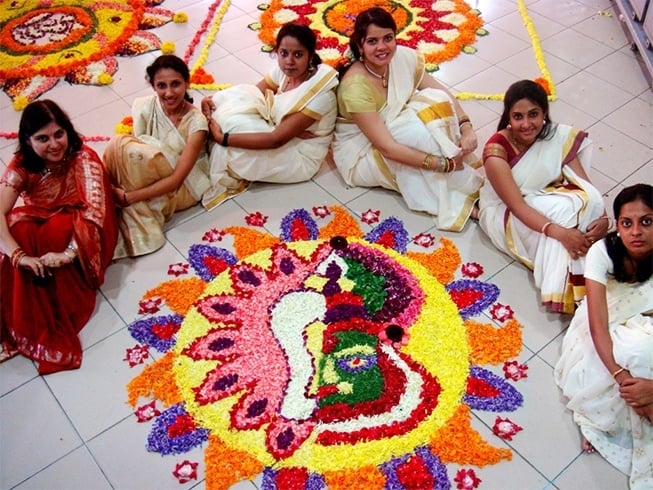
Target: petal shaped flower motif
[[391, 234], [487, 391], [175, 432], [209, 261], [157, 331], [472, 296], [298, 225]]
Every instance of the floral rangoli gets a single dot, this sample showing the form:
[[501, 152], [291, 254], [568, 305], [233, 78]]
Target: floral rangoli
[[325, 357], [440, 29], [42, 41]]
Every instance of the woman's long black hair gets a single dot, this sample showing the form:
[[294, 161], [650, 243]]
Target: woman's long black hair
[[625, 268], [530, 90], [306, 38], [172, 62], [35, 116], [373, 16]]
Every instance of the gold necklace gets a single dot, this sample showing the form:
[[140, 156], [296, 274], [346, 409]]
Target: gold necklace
[[177, 117], [518, 146], [287, 82], [384, 80]]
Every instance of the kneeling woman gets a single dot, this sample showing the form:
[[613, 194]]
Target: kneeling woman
[[163, 167], [57, 244], [278, 130]]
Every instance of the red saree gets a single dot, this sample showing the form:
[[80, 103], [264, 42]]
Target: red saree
[[41, 317]]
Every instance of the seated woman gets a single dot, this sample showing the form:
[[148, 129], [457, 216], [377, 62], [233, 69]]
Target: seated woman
[[163, 167], [606, 366], [401, 129], [57, 244], [290, 114], [538, 204]]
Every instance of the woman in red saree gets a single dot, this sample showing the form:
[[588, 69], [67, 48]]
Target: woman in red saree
[[57, 244]]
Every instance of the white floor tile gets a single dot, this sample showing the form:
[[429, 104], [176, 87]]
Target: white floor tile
[[102, 378], [75, 471], [34, 431]]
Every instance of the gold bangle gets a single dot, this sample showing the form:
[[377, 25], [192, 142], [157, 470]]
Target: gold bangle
[[17, 254], [544, 227], [426, 164], [620, 370]]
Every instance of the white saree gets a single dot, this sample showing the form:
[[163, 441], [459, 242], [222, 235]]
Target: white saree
[[424, 120], [614, 429], [151, 153], [552, 188], [244, 109]]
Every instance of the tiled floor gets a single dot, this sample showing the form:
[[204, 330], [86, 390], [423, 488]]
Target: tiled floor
[[73, 430]]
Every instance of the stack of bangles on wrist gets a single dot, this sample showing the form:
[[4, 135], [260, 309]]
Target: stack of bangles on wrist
[[73, 248], [16, 255], [445, 165], [464, 119]]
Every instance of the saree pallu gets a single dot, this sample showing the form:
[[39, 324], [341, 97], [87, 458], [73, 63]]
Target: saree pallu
[[41, 317], [551, 187], [425, 120], [614, 429], [146, 157], [244, 109]]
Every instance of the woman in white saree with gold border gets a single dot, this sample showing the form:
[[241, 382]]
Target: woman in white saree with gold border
[[606, 364], [163, 166], [538, 204], [400, 129], [278, 130]]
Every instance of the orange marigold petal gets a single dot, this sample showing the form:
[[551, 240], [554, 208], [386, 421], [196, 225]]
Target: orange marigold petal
[[179, 294], [493, 345], [367, 477], [458, 442], [442, 263], [156, 381], [342, 224], [248, 241], [226, 465]]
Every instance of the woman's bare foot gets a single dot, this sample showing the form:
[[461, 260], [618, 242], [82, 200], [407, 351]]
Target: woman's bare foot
[[6, 353], [587, 446]]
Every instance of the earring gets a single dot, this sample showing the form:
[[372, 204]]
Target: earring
[[509, 126], [311, 69]]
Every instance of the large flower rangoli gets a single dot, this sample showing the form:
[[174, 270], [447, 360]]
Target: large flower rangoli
[[326, 358], [44, 40], [440, 29]]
